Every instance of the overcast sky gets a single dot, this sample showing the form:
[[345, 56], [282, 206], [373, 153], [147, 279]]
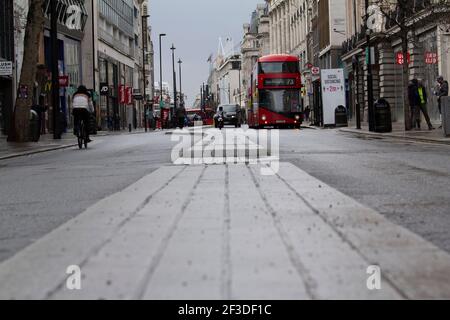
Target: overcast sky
[[194, 26]]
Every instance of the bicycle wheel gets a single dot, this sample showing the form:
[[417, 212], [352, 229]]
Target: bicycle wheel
[[81, 135], [85, 135]]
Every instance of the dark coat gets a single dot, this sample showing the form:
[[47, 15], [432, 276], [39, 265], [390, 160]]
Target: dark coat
[[181, 112], [413, 95], [443, 89]]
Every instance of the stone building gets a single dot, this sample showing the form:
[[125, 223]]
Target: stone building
[[428, 56], [255, 43]]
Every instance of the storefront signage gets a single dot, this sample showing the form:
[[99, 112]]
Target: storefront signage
[[431, 58], [23, 92], [63, 81], [400, 60], [137, 95], [122, 94], [104, 89], [129, 95], [6, 68], [333, 93]]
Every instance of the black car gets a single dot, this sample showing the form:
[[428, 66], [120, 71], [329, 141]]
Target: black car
[[231, 114]]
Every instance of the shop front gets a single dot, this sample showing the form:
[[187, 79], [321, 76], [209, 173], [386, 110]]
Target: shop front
[[6, 64]]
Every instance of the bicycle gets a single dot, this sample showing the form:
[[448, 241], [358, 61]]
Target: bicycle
[[82, 135]]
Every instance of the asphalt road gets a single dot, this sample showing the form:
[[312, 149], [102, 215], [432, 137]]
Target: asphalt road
[[407, 182]]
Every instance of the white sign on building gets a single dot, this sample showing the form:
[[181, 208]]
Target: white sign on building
[[333, 93], [6, 68]]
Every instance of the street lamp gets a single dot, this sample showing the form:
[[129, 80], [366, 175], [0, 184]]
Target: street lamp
[[144, 42], [160, 76], [174, 81], [181, 92]]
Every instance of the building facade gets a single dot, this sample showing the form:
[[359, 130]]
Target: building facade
[[7, 62], [428, 55], [255, 43]]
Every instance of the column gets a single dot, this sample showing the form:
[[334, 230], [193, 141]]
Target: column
[[279, 34], [288, 26], [283, 29], [271, 33]]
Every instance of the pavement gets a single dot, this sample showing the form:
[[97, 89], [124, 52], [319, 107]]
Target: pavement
[[398, 132], [230, 230]]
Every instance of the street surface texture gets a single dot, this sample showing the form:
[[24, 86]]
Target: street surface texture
[[140, 227]]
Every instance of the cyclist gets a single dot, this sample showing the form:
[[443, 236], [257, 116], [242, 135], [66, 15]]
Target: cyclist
[[82, 107]]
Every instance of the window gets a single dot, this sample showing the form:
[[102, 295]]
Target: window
[[282, 101], [279, 67]]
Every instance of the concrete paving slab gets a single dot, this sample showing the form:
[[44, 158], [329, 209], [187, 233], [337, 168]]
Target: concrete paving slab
[[228, 232]]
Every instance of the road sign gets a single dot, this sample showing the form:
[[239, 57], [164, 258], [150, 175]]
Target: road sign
[[315, 71], [333, 93], [6, 68]]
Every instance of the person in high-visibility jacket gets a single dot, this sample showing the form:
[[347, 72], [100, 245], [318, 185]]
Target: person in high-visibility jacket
[[423, 96]]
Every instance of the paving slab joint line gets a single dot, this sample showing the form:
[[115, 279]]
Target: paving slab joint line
[[226, 247], [119, 227], [309, 283], [140, 292], [341, 235]]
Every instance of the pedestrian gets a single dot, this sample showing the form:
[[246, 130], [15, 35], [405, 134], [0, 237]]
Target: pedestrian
[[423, 97], [181, 115], [414, 102], [150, 118], [307, 113], [441, 92]]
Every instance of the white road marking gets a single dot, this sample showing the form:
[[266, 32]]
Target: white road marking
[[227, 232]]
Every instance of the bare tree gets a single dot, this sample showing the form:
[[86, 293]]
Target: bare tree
[[403, 18], [33, 32]]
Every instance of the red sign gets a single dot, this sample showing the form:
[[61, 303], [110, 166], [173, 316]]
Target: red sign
[[315, 71], [122, 94], [63, 81], [431, 58], [129, 95], [400, 60]]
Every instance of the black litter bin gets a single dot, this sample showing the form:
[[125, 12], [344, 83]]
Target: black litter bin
[[340, 116], [35, 126], [382, 113]]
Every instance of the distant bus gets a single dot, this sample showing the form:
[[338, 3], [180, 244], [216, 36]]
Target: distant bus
[[275, 93]]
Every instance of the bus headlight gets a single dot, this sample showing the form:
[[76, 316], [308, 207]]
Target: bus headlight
[[263, 117], [297, 117]]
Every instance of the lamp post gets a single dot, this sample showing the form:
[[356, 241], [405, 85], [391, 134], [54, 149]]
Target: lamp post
[[181, 92], [174, 83], [144, 47], [160, 77], [54, 68]]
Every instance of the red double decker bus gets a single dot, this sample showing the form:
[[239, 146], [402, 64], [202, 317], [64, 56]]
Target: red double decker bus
[[275, 93]]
